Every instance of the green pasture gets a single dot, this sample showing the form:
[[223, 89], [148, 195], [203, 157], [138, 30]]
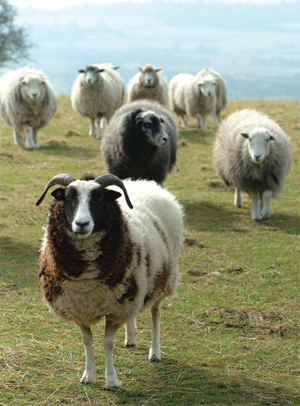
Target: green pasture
[[231, 337]]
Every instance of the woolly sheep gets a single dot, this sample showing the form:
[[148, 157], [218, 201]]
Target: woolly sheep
[[253, 154], [141, 142], [27, 103], [96, 93], [197, 96], [148, 84], [103, 258]]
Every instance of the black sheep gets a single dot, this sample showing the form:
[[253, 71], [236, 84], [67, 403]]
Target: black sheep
[[140, 142]]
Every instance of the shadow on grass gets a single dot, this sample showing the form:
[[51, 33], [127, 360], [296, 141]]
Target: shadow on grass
[[172, 383], [18, 261], [62, 147], [207, 216]]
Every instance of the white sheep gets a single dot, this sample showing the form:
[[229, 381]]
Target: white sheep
[[103, 258], [97, 93], [197, 96], [148, 84], [27, 103], [252, 153]]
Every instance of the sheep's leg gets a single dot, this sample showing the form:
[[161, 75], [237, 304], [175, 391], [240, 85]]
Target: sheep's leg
[[215, 119], [219, 116], [198, 121], [28, 135], [255, 211], [92, 132], [99, 130], [35, 139], [104, 123], [112, 380], [130, 336], [155, 353], [238, 198], [204, 122], [89, 375], [18, 138], [183, 121], [266, 210]]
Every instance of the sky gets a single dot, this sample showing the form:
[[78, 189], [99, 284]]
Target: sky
[[59, 4]]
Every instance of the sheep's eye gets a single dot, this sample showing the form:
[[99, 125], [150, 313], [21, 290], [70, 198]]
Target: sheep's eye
[[148, 125]]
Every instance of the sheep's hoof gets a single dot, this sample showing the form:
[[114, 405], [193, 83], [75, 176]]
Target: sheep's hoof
[[154, 358], [112, 386], [130, 345]]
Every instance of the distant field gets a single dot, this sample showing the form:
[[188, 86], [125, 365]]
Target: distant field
[[231, 337]]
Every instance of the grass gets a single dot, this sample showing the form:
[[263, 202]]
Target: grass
[[232, 335]]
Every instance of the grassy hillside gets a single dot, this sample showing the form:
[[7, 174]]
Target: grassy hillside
[[232, 335]]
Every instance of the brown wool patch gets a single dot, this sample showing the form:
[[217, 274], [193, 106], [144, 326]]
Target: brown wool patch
[[131, 290]]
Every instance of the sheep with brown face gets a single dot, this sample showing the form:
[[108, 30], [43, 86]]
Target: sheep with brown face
[[148, 84], [107, 258]]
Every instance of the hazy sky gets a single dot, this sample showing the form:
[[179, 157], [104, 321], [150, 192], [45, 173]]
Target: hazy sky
[[58, 4]]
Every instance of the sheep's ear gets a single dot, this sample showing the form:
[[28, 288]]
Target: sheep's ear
[[58, 194], [161, 120], [81, 71], [101, 70], [138, 116], [140, 69], [110, 195], [116, 67], [157, 69], [245, 135]]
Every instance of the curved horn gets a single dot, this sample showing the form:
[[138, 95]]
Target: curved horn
[[107, 180], [62, 179]]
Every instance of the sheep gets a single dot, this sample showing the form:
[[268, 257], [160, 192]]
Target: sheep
[[27, 103], [252, 153], [197, 96], [96, 93], [102, 258], [148, 84], [141, 142]]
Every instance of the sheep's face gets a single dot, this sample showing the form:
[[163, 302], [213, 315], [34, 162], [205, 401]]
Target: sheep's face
[[83, 203], [33, 87], [91, 74], [207, 87], [148, 76], [258, 144], [150, 128]]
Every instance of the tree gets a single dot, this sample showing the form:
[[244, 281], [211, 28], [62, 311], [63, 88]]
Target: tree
[[14, 44]]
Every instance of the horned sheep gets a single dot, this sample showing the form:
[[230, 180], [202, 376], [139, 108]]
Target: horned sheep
[[253, 154], [27, 103], [96, 93], [103, 258], [198, 96], [141, 142], [148, 84]]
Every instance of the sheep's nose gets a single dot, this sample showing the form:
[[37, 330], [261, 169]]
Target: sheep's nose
[[81, 223], [257, 157]]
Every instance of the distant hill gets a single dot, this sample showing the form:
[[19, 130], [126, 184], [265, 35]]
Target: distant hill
[[256, 48]]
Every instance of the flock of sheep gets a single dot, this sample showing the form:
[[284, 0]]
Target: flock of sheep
[[112, 254]]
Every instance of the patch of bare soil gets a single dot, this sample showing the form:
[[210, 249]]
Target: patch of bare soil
[[193, 242], [248, 321]]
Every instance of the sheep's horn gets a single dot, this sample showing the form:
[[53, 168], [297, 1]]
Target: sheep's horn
[[108, 180], [62, 179]]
